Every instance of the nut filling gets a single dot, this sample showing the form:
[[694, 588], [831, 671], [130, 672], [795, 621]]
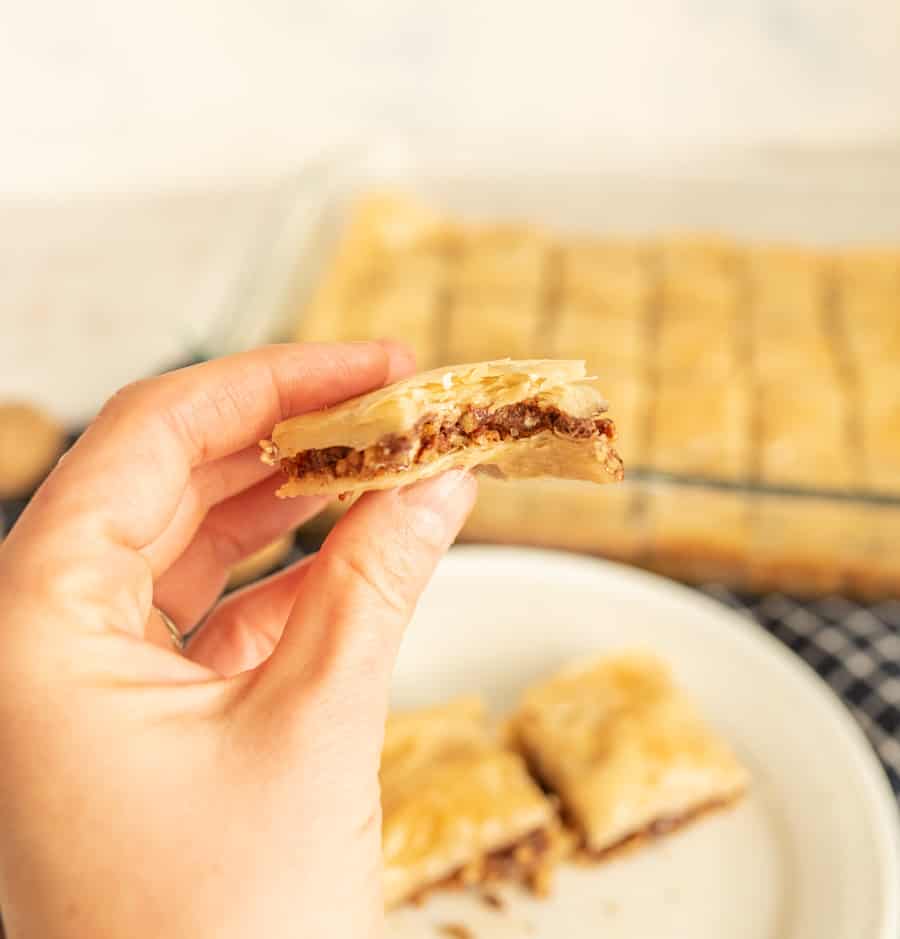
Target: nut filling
[[430, 439], [530, 862]]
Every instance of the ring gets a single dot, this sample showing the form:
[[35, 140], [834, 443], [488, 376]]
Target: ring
[[174, 633]]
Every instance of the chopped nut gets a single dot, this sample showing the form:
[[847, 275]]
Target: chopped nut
[[473, 872], [455, 931], [480, 427], [468, 422], [524, 853]]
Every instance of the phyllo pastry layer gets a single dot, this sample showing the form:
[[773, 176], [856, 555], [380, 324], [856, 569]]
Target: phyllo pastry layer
[[458, 808], [521, 418], [624, 749]]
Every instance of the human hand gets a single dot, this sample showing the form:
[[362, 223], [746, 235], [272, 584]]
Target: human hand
[[231, 791]]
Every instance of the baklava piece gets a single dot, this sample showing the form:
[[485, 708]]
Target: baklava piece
[[698, 346], [804, 545], [786, 286], [611, 343], [523, 419], [493, 324], [393, 252], [30, 443], [806, 438], [875, 572], [625, 751], [881, 438], [558, 513], [612, 278], [697, 277], [701, 428], [458, 809], [697, 533], [502, 258]]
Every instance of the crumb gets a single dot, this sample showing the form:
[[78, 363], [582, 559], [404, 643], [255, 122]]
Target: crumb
[[493, 900], [610, 908], [455, 931]]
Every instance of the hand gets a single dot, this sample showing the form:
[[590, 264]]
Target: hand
[[231, 791]]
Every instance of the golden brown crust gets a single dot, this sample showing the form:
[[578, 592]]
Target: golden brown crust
[[610, 344], [559, 513], [455, 803], [623, 748], [701, 428], [491, 325], [657, 829], [805, 436], [698, 535], [785, 557], [873, 571], [530, 861], [394, 409], [385, 231]]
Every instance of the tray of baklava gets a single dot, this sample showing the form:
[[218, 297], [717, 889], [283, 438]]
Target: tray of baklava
[[754, 383]]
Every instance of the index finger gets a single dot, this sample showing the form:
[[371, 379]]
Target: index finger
[[128, 470]]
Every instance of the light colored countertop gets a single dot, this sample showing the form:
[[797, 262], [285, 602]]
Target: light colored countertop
[[114, 91]]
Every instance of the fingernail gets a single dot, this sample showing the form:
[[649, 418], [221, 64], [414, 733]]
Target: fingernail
[[398, 351], [432, 491]]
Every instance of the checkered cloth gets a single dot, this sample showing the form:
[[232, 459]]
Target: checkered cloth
[[855, 647]]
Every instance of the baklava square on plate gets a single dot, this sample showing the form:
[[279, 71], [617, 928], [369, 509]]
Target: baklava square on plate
[[624, 749], [458, 808]]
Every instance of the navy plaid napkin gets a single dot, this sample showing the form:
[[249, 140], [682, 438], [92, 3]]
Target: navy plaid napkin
[[855, 647]]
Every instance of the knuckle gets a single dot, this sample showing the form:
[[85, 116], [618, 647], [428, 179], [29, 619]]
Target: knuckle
[[125, 399], [187, 417], [225, 546], [426, 528], [378, 580], [182, 421]]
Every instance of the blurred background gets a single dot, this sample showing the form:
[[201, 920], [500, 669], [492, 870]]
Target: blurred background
[[118, 95], [133, 133], [176, 176]]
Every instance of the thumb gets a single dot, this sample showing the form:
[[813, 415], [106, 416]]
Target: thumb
[[360, 591]]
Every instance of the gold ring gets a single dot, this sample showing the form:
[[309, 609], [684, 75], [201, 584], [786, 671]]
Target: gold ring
[[174, 633]]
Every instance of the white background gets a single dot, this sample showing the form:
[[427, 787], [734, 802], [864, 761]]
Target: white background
[[116, 92]]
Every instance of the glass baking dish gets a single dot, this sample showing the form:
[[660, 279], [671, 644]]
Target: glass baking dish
[[838, 530]]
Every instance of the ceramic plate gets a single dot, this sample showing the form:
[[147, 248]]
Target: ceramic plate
[[811, 853]]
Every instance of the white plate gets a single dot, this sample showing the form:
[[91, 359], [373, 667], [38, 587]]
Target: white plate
[[812, 853]]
